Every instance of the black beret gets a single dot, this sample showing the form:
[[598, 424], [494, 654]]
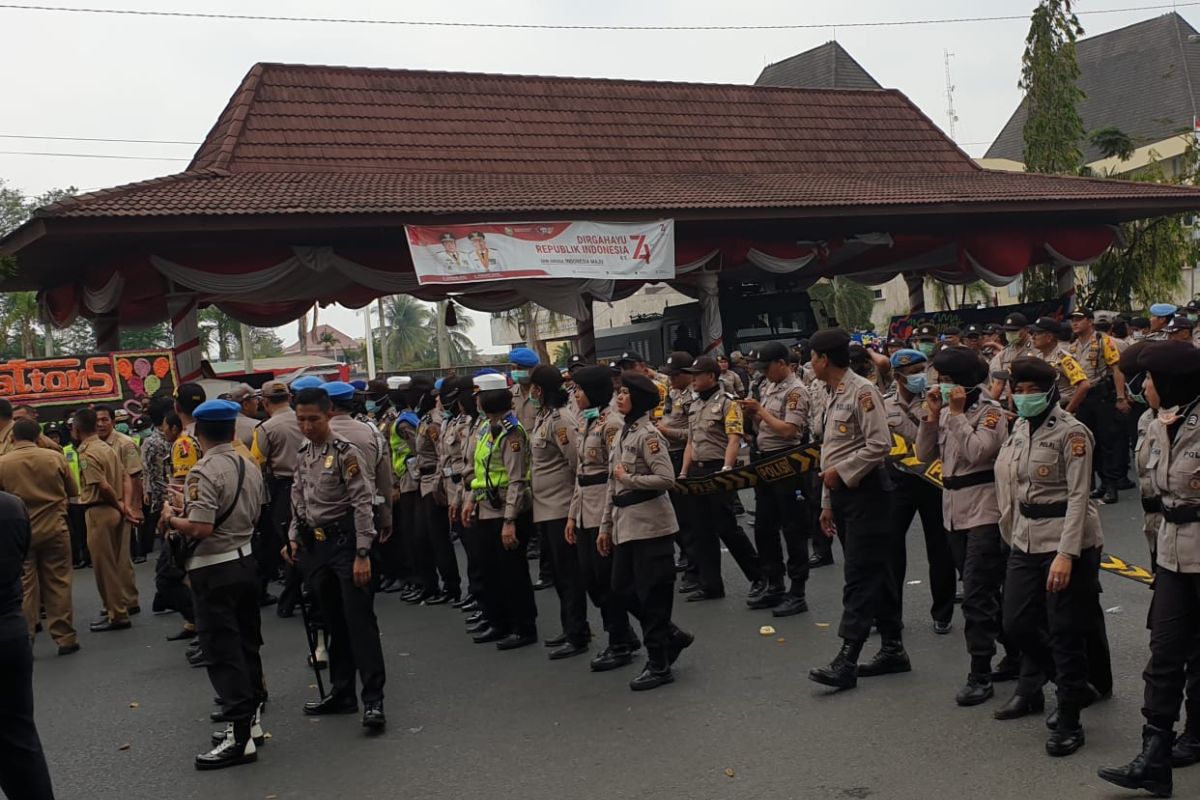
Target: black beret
[[596, 383], [703, 364], [961, 364], [1170, 358], [771, 351], [826, 341], [1032, 370], [1139, 322], [546, 376], [642, 391]]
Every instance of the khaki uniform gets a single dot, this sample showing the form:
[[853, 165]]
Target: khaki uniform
[[1173, 469], [1050, 468], [1151, 502], [43, 481], [554, 462], [106, 529], [1070, 374], [131, 460], [675, 419], [710, 424], [330, 485], [276, 443], [243, 429], [209, 492], [642, 450], [1096, 355], [904, 417], [967, 444], [429, 456], [455, 459], [1000, 367], [818, 404], [789, 401], [731, 382], [857, 439], [6, 441], [376, 465], [523, 406], [595, 439]]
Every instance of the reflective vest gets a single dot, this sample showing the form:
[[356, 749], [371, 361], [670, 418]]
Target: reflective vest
[[490, 473], [73, 462], [400, 451]]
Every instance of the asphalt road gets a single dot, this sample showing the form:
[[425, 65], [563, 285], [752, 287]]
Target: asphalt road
[[466, 721]]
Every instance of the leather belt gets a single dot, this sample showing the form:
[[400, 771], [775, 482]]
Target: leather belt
[[1152, 505], [427, 471], [1044, 510], [593, 480], [455, 478], [980, 478], [212, 559], [1181, 514], [636, 496]]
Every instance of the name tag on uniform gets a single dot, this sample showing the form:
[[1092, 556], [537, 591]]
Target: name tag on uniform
[[328, 461]]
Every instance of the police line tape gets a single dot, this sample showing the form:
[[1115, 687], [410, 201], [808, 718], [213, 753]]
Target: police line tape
[[794, 463]]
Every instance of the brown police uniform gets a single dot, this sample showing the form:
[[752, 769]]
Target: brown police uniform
[[43, 481], [554, 461], [436, 551], [131, 461], [106, 537]]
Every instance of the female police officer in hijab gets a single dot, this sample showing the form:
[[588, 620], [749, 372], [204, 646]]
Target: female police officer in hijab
[[639, 525], [1043, 473]]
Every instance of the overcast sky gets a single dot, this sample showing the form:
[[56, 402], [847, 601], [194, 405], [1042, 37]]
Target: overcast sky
[[121, 77]]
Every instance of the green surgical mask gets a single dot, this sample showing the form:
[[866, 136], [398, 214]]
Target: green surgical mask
[[519, 375], [926, 348], [1030, 405], [536, 402], [946, 389], [591, 413]]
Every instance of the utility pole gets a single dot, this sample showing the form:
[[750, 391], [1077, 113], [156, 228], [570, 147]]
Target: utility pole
[[368, 341], [383, 353], [443, 336], [951, 116], [247, 349]]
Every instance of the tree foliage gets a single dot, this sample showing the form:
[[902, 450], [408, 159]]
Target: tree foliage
[[410, 336], [221, 334], [842, 299], [16, 207], [1053, 128]]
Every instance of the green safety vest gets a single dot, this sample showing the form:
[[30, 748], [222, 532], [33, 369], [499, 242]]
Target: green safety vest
[[72, 462], [400, 451], [489, 473]]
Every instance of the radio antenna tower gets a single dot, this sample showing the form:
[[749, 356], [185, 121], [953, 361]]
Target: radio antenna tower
[[951, 116]]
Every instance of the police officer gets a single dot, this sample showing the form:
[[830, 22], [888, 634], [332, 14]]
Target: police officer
[[399, 425], [780, 415], [331, 535], [1173, 441], [925, 340], [674, 427], [500, 504], [43, 481], [1072, 382], [458, 440], [1098, 356], [1016, 343], [855, 487], [1042, 476], [597, 431], [638, 525], [274, 444], [965, 429], [523, 360], [1161, 315], [714, 438], [906, 404], [433, 521], [222, 500], [1180, 329], [554, 461]]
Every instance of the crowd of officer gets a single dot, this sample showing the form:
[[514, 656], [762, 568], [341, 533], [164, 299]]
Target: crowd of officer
[[346, 491]]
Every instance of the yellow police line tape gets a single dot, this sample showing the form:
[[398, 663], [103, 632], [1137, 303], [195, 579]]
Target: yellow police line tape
[[799, 460]]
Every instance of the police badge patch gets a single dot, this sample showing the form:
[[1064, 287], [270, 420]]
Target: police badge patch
[[514, 445], [561, 433], [866, 401], [654, 446], [1078, 445], [351, 466], [193, 492], [1043, 471]]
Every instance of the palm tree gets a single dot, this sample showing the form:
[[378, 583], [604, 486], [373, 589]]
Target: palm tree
[[529, 319], [330, 341], [842, 299], [219, 330], [19, 317], [408, 328]]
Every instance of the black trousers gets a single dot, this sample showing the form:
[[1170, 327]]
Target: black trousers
[[1052, 628], [643, 574], [273, 527], [508, 602], [23, 772], [595, 572], [776, 510], [1174, 650], [472, 542], [433, 523], [683, 515], [1097, 412], [349, 615], [169, 589], [866, 532], [230, 630], [914, 496], [984, 558], [144, 542], [77, 522], [568, 582], [396, 554], [713, 523]]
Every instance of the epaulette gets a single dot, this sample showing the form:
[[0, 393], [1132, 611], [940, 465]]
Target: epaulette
[[508, 423], [730, 395], [341, 445], [305, 445]]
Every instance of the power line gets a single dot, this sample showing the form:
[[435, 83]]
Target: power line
[[89, 155], [533, 26], [92, 139]]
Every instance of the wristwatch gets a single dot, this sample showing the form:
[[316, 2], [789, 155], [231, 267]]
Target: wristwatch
[[363, 552]]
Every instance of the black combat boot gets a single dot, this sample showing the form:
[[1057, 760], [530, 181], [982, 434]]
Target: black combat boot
[[1187, 747], [890, 659], [236, 748], [769, 594], [842, 672], [1068, 732], [1150, 769], [978, 690]]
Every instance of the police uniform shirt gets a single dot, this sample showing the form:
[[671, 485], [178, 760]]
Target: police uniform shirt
[[127, 450], [185, 452], [857, 439], [554, 462], [788, 401], [329, 484], [711, 423], [674, 421], [594, 439], [455, 459], [642, 451], [43, 481], [276, 442], [243, 429], [376, 464], [1070, 374], [818, 404], [1050, 465], [904, 417], [731, 382], [1174, 471], [209, 492], [966, 443], [1096, 356], [523, 406], [428, 451], [513, 447], [98, 463], [1001, 364], [1152, 520]]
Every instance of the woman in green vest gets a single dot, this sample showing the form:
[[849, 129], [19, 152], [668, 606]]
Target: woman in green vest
[[500, 504]]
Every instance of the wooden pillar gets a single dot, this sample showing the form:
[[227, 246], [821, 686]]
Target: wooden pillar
[[916, 292], [585, 335]]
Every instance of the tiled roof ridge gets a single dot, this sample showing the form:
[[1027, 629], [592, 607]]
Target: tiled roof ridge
[[232, 118], [1170, 16]]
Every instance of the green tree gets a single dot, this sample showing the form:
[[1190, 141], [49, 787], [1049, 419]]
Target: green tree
[[19, 321], [1112, 143], [410, 328], [155, 337], [842, 299], [1053, 128], [16, 207], [948, 296]]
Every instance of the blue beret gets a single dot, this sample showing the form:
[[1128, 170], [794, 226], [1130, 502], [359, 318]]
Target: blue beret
[[438, 384], [217, 411], [359, 386], [485, 371], [410, 418], [523, 357], [338, 390], [1162, 310], [906, 358], [306, 382]]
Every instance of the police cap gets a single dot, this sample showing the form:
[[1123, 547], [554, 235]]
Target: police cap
[[678, 362], [828, 340], [306, 382], [1015, 321], [1045, 325], [771, 351], [275, 390], [217, 411], [1180, 323], [1083, 313], [704, 364], [925, 332]]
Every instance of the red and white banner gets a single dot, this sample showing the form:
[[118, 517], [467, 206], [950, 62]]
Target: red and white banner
[[643, 251]]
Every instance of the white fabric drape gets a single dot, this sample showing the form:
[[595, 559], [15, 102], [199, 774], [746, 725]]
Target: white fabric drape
[[106, 298]]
